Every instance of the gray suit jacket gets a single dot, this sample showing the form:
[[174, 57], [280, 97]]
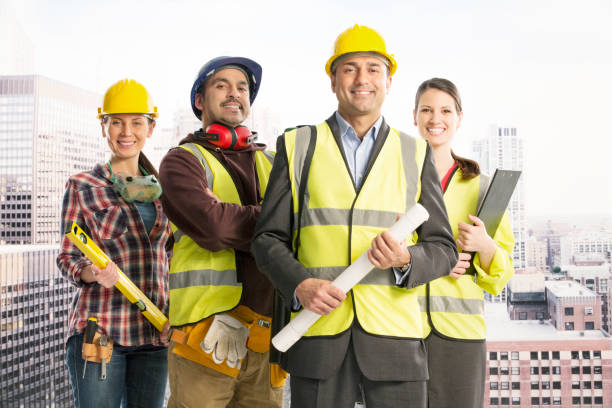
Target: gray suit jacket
[[380, 358]]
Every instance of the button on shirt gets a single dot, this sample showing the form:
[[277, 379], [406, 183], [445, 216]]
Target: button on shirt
[[357, 151]]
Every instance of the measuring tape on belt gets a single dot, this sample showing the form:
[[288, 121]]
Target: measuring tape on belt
[[89, 248]]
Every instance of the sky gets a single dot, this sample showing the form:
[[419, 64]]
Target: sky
[[544, 67]]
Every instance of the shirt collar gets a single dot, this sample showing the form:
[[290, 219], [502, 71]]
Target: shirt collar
[[344, 127]]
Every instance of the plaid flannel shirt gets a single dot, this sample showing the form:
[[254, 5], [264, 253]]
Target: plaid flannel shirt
[[117, 228]]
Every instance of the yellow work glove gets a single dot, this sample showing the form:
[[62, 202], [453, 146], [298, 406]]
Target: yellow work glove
[[226, 340]]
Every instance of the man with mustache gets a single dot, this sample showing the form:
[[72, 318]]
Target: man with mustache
[[214, 182], [334, 189]]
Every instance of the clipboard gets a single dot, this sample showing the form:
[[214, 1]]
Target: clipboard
[[496, 199]]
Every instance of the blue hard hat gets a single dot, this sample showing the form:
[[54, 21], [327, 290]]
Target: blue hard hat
[[252, 69]]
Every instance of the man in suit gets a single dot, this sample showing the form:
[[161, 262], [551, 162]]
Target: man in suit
[[334, 190]]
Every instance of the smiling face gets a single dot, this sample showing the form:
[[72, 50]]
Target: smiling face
[[361, 84], [225, 99], [126, 133], [436, 117]]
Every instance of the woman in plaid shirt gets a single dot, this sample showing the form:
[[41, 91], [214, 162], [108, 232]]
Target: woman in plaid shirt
[[119, 208]]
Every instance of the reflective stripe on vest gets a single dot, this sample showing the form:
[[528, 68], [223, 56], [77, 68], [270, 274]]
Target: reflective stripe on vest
[[338, 225], [203, 282], [456, 306]]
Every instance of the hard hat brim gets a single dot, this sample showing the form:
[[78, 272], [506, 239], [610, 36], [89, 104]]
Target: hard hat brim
[[389, 57]]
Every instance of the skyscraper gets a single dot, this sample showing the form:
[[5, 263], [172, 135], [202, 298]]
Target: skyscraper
[[34, 302], [48, 131], [503, 149]]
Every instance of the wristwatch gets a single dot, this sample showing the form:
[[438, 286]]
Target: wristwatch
[[405, 268]]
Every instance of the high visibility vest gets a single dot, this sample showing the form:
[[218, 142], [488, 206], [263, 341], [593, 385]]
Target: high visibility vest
[[204, 282], [452, 307], [338, 224]]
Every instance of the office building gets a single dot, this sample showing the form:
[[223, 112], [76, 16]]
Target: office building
[[594, 274], [48, 131], [536, 254], [577, 246], [34, 304], [527, 296], [531, 363]]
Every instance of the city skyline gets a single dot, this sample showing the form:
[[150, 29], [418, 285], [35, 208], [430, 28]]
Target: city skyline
[[537, 67]]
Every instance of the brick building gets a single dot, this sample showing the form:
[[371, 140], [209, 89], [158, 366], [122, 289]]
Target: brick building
[[532, 364]]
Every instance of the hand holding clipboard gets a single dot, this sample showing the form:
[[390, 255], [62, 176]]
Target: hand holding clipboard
[[495, 201]]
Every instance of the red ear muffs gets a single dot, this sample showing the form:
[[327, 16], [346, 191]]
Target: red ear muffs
[[227, 137]]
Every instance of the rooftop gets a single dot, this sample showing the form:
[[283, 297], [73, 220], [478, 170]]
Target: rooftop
[[501, 328], [569, 289]]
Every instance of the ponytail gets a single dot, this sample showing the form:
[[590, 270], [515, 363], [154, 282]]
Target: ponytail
[[469, 168]]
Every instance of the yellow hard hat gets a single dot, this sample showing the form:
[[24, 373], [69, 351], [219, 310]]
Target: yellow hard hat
[[127, 96], [360, 39]]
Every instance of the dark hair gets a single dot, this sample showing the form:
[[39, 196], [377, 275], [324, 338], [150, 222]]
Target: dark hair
[[469, 168]]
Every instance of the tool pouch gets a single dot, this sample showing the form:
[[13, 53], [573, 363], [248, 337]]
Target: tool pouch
[[259, 342], [94, 352]]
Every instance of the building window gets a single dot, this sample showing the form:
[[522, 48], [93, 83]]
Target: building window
[[535, 370], [575, 385], [540, 315], [516, 401], [545, 355], [505, 401], [569, 325], [515, 355], [503, 370], [586, 385], [599, 400], [588, 311], [589, 325], [597, 354], [535, 401], [576, 400], [534, 355], [556, 355], [556, 400], [494, 400], [545, 400], [586, 370], [535, 385], [556, 370], [522, 315], [598, 385], [575, 355], [515, 370], [492, 370], [597, 370], [545, 370], [569, 311], [586, 354], [503, 355], [546, 385], [494, 385], [586, 400], [505, 385], [516, 385], [576, 370], [493, 355], [556, 385]]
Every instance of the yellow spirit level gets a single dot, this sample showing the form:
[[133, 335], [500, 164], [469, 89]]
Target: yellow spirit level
[[125, 285]]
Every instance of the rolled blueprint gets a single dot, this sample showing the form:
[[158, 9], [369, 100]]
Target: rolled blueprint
[[350, 277]]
